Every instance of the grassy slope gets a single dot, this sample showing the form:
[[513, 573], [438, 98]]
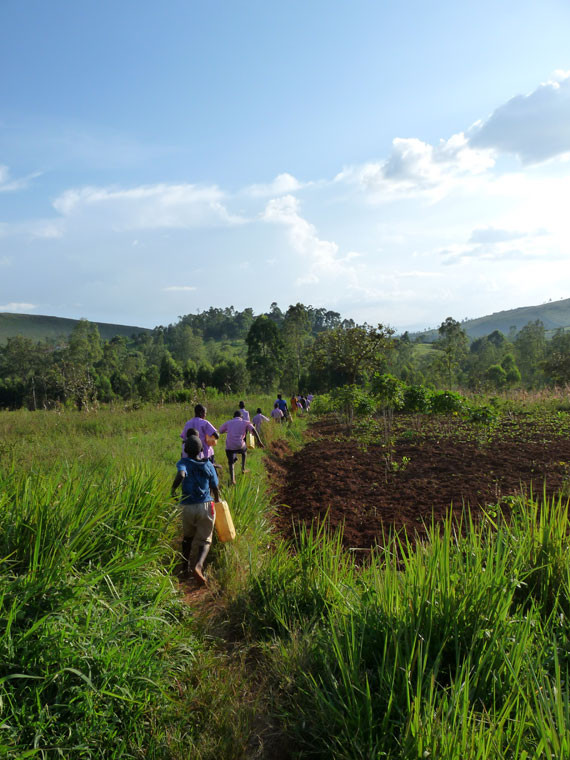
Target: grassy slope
[[553, 316], [38, 327]]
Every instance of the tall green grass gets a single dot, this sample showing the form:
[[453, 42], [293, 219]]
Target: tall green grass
[[453, 648], [91, 621]]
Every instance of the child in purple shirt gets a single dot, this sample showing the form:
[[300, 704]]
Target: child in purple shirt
[[243, 411], [236, 430], [258, 419], [205, 430]]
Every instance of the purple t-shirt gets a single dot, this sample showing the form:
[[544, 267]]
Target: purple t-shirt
[[204, 428], [276, 414], [244, 414], [258, 419], [236, 428]]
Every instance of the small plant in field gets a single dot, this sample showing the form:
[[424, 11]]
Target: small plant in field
[[482, 414], [400, 466]]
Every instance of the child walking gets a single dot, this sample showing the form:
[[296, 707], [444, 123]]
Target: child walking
[[199, 481], [236, 428], [205, 431]]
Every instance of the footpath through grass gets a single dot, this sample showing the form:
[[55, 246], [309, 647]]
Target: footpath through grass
[[455, 648]]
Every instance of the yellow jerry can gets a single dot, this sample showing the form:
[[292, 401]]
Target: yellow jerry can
[[250, 441], [224, 524]]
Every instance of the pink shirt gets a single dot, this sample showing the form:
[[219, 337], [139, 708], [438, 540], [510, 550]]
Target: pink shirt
[[236, 428], [244, 414], [258, 419], [276, 414], [204, 428]]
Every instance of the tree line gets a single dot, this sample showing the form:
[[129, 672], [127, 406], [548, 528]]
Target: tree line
[[300, 349]]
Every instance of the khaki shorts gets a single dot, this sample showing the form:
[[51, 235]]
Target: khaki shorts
[[198, 521]]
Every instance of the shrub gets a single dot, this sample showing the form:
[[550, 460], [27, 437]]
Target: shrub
[[484, 414], [389, 390], [447, 402], [417, 398]]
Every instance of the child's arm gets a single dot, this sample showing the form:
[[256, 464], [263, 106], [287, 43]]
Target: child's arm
[[215, 492], [257, 438], [176, 482]]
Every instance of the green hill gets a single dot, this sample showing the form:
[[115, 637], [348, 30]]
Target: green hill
[[38, 327], [553, 315]]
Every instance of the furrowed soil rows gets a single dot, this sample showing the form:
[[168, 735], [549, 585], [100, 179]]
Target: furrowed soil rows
[[373, 481]]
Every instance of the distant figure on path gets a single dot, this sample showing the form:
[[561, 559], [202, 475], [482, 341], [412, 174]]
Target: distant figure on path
[[236, 430], [243, 411], [259, 419], [199, 483], [276, 413], [282, 405], [206, 432], [294, 406]]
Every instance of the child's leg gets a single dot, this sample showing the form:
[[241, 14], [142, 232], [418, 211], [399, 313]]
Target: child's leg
[[188, 531], [232, 459], [202, 539]]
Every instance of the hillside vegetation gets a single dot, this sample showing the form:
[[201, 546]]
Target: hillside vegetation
[[553, 315], [38, 327]]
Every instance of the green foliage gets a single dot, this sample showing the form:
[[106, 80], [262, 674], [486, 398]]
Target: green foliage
[[351, 401], [447, 402], [388, 390], [417, 398], [344, 355], [265, 352], [482, 414]]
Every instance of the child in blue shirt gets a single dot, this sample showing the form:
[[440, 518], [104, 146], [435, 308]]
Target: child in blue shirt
[[199, 480]]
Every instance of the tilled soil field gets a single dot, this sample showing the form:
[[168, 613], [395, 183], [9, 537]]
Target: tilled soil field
[[406, 472]]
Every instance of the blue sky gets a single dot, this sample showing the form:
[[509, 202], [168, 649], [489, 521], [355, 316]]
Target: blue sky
[[397, 162]]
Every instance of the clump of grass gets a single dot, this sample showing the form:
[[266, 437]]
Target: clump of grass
[[437, 650]]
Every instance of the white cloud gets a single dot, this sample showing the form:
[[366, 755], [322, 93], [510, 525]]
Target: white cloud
[[493, 235], [184, 288], [35, 228], [501, 245], [17, 307], [535, 127], [282, 184], [321, 256], [9, 185], [148, 206], [417, 168]]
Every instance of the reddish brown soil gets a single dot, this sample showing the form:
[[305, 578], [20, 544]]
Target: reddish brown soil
[[367, 489]]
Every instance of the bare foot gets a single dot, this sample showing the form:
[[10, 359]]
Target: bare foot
[[245, 472], [199, 576]]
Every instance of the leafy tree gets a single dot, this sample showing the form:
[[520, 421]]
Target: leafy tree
[[204, 374], [230, 376], [186, 344], [530, 345], [170, 372], [85, 343], [453, 343], [296, 333], [347, 353], [265, 352], [496, 376], [513, 375]]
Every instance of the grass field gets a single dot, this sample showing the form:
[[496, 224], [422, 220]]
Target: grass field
[[455, 648]]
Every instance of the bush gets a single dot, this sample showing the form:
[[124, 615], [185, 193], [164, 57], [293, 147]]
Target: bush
[[447, 402], [417, 398], [484, 414], [389, 390]]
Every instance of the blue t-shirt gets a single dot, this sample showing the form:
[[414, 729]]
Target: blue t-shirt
[[282, 404], [200, 477]]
